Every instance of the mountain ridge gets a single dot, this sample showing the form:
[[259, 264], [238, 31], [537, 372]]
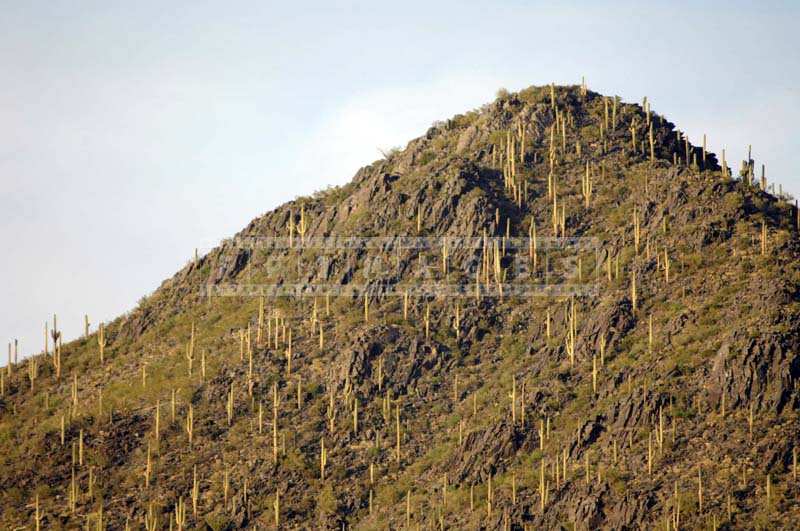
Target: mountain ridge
[[562, 412]]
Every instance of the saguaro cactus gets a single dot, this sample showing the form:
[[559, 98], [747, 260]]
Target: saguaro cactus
[[195, 491], [427, 320], [302, 228], [323, 458], [190, 425], [101, 342], [768, 489], [542, 493], [299, 388], [569, 343], [704, 151], [331, 412], [33, 371], [180, 514], [290, 228], [229, 408], [277, 507], [148, 467], [190, 350], [700, 490], [586, 186], [57, 358], [724, 166], [55, 333], [74, 394], [614, 111], [289, 355], [226, 483], [37, 518]]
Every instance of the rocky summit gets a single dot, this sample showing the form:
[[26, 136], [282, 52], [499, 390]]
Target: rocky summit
[[552, 312]]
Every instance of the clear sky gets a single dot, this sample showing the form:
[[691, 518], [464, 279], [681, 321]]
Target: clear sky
[[133, 132]]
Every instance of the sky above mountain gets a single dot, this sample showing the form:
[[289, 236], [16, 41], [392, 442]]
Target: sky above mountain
[[133, 133]]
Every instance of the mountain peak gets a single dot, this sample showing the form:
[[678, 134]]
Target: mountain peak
[[541, 313]]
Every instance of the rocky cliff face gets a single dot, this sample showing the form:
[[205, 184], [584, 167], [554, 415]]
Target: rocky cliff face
[[664, 396]]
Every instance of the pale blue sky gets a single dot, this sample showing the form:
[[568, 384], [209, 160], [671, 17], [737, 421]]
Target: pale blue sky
[[133, 132]]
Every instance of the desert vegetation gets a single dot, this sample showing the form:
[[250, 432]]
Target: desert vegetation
[[666, 397]]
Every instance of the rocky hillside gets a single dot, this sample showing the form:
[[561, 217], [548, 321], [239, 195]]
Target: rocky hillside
[[622, 352]]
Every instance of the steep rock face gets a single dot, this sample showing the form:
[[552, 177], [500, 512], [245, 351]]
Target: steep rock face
[[762, 372], [403, 361], [406, 409], [485, 453], [610, 320]]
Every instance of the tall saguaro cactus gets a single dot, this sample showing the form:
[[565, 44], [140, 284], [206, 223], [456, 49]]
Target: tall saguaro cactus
[[101, 341]]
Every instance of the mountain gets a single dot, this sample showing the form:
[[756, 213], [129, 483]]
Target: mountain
[[614, 345]]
